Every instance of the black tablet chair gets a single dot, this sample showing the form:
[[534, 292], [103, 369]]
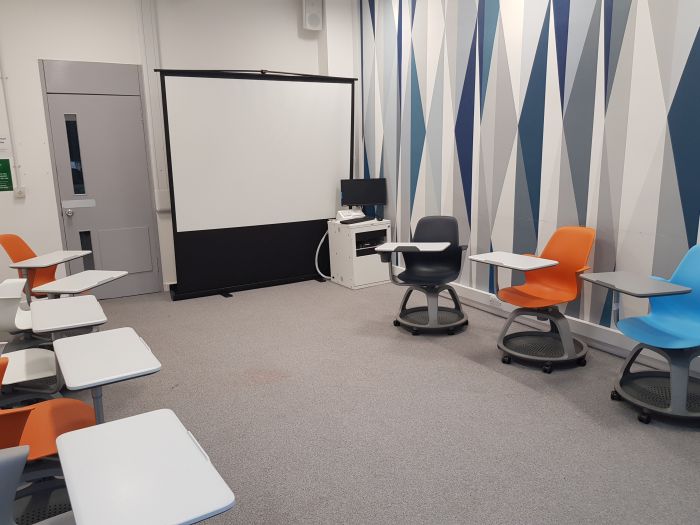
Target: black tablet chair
[[430, 273]]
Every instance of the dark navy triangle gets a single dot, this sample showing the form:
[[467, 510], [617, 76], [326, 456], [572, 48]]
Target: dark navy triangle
[[417, 128], [607, 30], [531, 125], [561, 34], [487, 22], [683, 124], [464, 128]]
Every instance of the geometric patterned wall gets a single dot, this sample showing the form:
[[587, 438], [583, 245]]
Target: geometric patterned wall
[[520, 116]]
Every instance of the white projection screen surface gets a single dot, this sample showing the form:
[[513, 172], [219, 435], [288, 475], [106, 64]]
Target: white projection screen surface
[[248, 152]]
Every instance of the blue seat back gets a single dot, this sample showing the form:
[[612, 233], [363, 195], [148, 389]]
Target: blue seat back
[[687, 274]]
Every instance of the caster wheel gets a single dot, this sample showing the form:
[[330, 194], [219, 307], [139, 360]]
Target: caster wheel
[[506, 359], [644, 418], [450, 332], [396, 322], [581, 361], [615, 396], [415, 332], [547, 368]]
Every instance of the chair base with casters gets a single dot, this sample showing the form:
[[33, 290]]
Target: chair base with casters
[[12, 465], [673, 394], [431, 261], [432, 317], [556, 347]]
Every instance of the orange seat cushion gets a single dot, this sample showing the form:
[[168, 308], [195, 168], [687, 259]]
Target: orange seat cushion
[[570, 246], [534, 296], [38, 426]]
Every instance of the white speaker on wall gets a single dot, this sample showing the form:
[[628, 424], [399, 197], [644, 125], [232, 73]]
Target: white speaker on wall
[[313, 15]]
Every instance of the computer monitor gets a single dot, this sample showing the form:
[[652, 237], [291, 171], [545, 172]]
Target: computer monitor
[[362, 192]]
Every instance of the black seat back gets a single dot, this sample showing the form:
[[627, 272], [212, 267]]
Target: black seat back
[[436, 228]]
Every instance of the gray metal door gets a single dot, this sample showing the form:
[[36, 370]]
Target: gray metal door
[[101, 168]]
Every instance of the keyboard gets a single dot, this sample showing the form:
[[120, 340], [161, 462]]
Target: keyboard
[[358, 219]]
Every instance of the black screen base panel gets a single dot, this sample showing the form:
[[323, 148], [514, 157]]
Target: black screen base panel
[[212, 262]]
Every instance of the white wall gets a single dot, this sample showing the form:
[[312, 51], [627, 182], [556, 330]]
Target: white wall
[[178, 34], [97, 30]]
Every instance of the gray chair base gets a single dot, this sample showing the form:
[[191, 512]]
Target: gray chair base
[[557, 346], [674, 394], [431, 317]]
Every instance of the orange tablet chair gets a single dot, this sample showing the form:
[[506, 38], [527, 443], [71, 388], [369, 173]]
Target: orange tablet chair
[[543, 290], [18, 250], [39, 425]]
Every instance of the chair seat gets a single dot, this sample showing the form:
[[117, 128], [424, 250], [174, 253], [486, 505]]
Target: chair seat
[[534, 295], [662, 331], [428, 275], [29, 365], [67, 518], [39, 425], [23, 320]]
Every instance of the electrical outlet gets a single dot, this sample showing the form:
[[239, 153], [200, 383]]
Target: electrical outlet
[[20, 192]]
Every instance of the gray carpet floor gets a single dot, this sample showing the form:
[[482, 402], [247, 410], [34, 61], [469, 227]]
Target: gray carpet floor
[[315, 409]]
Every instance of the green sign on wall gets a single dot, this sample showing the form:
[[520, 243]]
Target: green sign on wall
[[5, 175]]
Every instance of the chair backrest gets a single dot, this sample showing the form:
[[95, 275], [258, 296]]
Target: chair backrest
[[437, 228], [571, 246], [10, 297], [12, 421], [687, 273], [18, 250], [12, 461]]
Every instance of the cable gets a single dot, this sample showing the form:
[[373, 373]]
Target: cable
[[316, 260]]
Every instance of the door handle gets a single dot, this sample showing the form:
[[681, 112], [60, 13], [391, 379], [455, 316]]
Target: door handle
[[68, 212]]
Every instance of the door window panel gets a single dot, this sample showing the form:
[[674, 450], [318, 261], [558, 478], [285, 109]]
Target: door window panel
[[76, 165], [86, 244]]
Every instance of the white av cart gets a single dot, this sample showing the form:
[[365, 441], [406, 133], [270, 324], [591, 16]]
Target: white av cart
[[354, 263]]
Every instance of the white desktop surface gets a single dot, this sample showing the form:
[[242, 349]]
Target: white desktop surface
[[80, 282], [66, 314], [101, 358], [523, 263], [12, 288], [421, 246], [636, 285], [29, 364], [49, 259], [145, 469]]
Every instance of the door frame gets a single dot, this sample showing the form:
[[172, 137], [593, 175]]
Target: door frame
[[54, 168]]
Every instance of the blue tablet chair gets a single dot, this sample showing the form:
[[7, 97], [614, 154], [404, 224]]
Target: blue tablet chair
[[672, 329]]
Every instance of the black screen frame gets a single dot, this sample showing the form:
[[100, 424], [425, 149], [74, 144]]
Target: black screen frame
[[224, 260]]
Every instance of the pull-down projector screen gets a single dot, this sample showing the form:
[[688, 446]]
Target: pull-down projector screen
[[248, 152]]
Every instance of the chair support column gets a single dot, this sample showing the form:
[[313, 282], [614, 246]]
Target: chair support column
[[432, 297]]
